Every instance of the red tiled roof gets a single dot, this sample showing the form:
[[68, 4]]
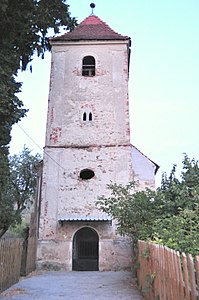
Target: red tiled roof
[[92, 28]]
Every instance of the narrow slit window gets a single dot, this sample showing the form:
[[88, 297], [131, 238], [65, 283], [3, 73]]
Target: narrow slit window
[[90, 116], [84, 116], [88, 66]]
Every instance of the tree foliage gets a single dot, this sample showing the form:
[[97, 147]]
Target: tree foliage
[[23, 32], [20, 188], [169, 215]]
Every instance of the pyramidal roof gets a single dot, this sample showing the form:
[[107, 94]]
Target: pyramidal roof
[[92, 28]]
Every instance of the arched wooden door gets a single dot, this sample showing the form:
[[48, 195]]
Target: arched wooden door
[[86, 250]]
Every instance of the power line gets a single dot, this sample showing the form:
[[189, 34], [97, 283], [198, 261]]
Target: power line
[[29, 137], [40, 147]]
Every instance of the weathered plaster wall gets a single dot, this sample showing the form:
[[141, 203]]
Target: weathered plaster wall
[[65, 193], [102, 145], [105, 94], [115, 252], [144, 170]]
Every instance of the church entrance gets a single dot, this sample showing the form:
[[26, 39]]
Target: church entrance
[[86, 250]]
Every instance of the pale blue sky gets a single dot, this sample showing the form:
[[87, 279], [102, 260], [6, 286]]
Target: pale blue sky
[[163, 84]]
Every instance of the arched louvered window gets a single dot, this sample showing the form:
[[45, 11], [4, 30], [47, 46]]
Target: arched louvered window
[[88, 66]]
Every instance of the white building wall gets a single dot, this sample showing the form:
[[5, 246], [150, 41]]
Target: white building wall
[[144, 170], [65, 193], [102, 145], [105, 94]]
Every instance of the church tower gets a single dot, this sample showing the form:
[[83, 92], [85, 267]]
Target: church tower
[[87, 147]]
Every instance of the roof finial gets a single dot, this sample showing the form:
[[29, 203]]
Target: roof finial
[[92, 5]]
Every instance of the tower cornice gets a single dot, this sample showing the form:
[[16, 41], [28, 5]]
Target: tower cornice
[[87, 42]]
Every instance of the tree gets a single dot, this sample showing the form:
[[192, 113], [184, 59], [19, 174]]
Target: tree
[[169, 215], [177, 225], [23, 32], [133, 211], [20, 188], [180, 231]]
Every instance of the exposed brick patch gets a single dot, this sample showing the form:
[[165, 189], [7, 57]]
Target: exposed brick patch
[[55, 134]]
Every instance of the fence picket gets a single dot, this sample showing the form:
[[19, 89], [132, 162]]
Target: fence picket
[[197, 273], [176, 276], [192, 276], [179, 266], [161, 271], [172, 283], [157, 285], [186, 276]]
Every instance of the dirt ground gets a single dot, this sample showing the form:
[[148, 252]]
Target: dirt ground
[[74, 285]]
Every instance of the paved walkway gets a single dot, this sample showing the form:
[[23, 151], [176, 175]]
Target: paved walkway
[[74, 285]]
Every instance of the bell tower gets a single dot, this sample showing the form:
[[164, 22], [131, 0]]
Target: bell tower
[[88, 101], [87, 147]]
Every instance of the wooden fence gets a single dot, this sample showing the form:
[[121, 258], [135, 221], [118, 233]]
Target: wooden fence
[[17, 257], [10, 262], [166, 275], [31, 254], [31, 248]]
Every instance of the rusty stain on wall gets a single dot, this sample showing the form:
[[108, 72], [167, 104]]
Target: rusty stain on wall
[[52, 115]]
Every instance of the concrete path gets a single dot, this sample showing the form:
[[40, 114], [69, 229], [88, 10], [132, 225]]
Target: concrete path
[[74, 285]]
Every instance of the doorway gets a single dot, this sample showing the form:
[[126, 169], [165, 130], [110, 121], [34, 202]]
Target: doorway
[[86, 250]]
